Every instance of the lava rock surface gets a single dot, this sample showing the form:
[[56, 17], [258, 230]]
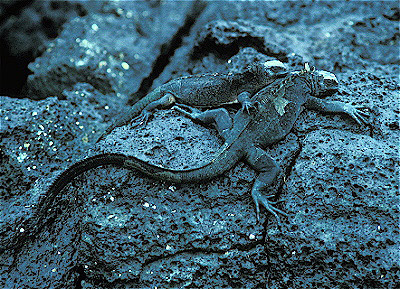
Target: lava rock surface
[[116, 228]]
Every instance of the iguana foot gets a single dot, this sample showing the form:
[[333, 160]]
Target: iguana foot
[[244, 99], [142, 119], [356, 113], [219, 117], [260, 199], [248, 106], [187, 110]]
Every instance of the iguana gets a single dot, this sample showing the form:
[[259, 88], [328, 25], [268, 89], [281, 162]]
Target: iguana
[[204, 90], [277, 108]]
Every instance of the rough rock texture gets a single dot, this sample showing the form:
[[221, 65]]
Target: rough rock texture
[[115, 228], [40, 136]]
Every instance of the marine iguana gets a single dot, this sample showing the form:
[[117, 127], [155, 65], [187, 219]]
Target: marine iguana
[[277, 108], [204, 90]]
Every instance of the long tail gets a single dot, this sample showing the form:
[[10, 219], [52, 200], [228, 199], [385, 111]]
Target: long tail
[[82, 166], [43, 214], [223, 161]]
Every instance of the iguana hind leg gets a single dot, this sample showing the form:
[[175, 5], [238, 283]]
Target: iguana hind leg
[[219, 116], [260, 161], [132, 114], [164, 102]]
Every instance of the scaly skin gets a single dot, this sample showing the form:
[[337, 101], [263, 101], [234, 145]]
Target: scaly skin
[[277, 109], [204, 90]]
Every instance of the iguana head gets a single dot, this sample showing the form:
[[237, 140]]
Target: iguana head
[[272, 67], [323, 83], [269, 69]]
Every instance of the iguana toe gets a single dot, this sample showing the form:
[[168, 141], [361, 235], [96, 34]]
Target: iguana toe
[[259, 199], [248, 106], [142, 119], [356, 113], [187, 110]]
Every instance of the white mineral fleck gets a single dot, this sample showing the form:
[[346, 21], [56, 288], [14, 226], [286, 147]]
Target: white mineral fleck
[[102, 63], [22, 157], [125, 65], [80, 63]]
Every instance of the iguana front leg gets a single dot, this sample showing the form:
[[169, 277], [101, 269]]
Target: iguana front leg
[[268, 170], [323, 105]]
